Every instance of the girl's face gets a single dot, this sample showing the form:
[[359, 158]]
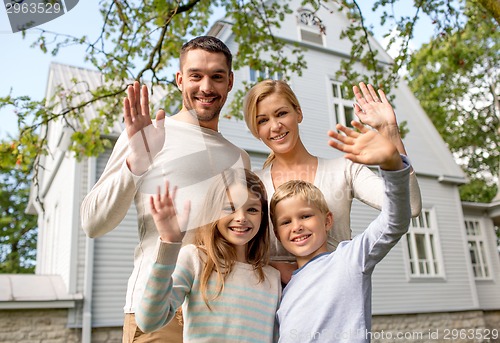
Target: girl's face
[[240, 218], [278, 123]]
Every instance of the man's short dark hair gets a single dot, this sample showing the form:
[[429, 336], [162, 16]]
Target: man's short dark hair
[[207, 43]]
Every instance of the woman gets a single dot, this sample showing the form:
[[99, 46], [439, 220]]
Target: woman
[[273, 115]]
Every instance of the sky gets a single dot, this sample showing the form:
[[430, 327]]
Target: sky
[[24, 70]]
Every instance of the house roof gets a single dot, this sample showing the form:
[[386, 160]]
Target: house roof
[[492, 209], [35, 291], [81, 82], [88, 80]]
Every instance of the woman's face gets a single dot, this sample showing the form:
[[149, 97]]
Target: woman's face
[[278, 123]]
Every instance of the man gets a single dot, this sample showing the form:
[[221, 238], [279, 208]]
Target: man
[[185, 148]]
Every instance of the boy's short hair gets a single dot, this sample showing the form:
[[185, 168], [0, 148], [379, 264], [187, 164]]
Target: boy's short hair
[[303, 189]]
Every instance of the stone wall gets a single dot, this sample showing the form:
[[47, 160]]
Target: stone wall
[[33, 326], [461, 327], [49, 326]]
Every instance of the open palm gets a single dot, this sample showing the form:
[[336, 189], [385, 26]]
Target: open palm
[[373, 109], [171, 227], [145, 138]]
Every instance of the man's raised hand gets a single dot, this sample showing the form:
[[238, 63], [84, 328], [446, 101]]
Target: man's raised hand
[[145, 139]]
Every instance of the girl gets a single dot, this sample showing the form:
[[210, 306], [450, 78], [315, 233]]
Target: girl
[[273, 114], [227, 291]]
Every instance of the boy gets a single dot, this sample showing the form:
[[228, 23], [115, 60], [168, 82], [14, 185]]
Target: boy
[[328, 298]]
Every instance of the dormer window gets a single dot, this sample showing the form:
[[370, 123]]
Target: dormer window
[[311, 28]]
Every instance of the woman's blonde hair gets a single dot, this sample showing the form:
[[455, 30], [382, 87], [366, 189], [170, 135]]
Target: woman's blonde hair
[[217, 254], [258, 93]]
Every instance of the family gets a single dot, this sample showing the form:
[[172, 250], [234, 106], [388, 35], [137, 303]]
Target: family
[[230, 255]]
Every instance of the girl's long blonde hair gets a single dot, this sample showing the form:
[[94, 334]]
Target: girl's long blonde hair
[[216, 253], [258, 93]]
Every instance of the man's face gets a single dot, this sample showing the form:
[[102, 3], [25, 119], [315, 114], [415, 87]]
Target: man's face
[[205, 81]]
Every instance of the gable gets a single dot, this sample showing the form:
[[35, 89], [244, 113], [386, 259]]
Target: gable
[[426, 149]]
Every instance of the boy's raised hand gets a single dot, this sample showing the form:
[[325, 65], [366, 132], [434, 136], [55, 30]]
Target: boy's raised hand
[[367, 147], [145, 139], [171, 227], [373, 109]]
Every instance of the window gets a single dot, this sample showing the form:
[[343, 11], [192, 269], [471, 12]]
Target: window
[[257, 75], [477, 249], [423, 244], [343, 112], [311, 36], [311, 28]]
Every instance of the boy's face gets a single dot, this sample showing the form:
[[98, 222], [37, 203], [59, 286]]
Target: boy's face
[[302, 228], [205, 81]]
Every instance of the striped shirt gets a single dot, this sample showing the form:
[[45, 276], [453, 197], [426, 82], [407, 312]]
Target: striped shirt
[[244, 311]]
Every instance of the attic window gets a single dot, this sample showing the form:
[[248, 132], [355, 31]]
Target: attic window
[[311, 37], [311, 28]]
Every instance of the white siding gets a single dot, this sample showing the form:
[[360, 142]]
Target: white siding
[[55, 225], [394, 291], [113, 264], [488, 290], [75, 317]]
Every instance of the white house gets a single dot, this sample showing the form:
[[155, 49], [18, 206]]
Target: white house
[[444, 274]]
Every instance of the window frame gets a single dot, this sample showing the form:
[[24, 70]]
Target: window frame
[[257, 74], [312, 30], [433, 256], [337, 105], [307, 20], [481, 246]]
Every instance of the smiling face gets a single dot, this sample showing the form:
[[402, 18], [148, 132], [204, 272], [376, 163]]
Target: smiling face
[[205, 81], [277, 123], [302, 227], [240, 218]]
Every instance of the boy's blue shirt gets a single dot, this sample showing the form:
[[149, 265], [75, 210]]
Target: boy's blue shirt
[[312, 259], [329, 298]]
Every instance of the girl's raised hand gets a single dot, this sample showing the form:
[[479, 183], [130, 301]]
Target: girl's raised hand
[[171, 227]]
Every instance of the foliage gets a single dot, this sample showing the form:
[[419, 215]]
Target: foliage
[[456, 79], [141, 40], [18, 230]]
